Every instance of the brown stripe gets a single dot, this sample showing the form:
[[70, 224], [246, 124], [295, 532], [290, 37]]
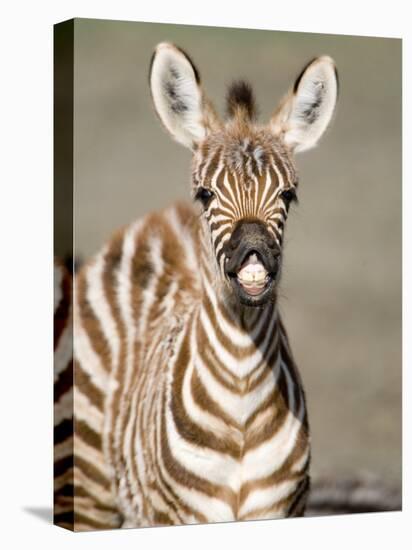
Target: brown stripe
[[174, 501], [63, 465], [112, 263], [90, 322], [133, 472], [184, 425], [97, 503], [213, 164], [238, 353], [66, 490], [84, 383], [88, 435], [64, 382], [66, 477], [188, 479], [294, 504], [293, 371], [298, 504], [272, 425], [281, 474], [212, 363], [64, 519], [92, 523], [125, 471], [208, 404], [279, 161], [268, 363], [141, 274], [161, 518], [91, 472], [63, 431]]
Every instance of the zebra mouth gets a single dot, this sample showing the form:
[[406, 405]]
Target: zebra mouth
[[252, 276], [252, 282]]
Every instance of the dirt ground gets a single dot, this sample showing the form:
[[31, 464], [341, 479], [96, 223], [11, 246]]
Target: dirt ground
[[341, 288]]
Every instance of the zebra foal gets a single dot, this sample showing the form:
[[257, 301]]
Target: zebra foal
[[188, 406]]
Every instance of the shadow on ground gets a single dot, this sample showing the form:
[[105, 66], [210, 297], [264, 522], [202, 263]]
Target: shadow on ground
[[42, 512]]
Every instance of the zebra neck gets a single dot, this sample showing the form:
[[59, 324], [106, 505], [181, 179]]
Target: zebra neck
[[240, 341]]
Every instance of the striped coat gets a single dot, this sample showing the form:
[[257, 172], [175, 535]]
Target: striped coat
[[188, 406]]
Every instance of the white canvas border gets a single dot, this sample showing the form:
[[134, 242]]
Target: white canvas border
[[25, 274]]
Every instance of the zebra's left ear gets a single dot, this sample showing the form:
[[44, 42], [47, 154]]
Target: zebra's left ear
[[178, 97], [304, 114]]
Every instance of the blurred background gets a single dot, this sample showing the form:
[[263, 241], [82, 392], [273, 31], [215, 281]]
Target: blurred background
[[341, 288]]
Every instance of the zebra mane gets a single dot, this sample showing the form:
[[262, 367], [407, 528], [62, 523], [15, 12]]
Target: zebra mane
[[240, 100]]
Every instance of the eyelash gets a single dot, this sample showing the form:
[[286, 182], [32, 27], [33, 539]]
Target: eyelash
[[289, 196], [204, 195]]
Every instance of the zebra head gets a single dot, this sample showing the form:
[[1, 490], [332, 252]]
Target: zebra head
[[243, 173]]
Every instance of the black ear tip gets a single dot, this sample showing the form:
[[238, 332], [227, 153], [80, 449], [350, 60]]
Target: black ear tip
[[302, 72], [152, 58], [308, 64], [169, 45], [195, 70], [337, 81]]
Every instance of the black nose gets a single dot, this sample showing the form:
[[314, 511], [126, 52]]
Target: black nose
[[251, 236]]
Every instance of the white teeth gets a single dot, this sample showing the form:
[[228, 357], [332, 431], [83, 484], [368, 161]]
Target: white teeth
[[253, 272], [256, 277]]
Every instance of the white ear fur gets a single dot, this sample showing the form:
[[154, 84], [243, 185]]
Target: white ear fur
[[305, 113], [176, 93]]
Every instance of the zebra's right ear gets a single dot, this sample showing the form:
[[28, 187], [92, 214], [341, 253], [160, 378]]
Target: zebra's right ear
[[305, 113], [178, 97]]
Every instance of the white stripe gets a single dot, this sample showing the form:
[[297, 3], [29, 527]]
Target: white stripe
[[133, 450], [124, 296], [219, 247], [98, 301], [149, 294], [86, 411], [238, 407], [238, 367], [158, 502], [63, 409], [84, 506], [299, 464], [223, 227], [279, 175], [235, 198], [201, 417], [265, 498], [64, 351], [90, 454], [183, 235], [279, 447], [89, 360], [63, 449], [206, 464], [93, 487]]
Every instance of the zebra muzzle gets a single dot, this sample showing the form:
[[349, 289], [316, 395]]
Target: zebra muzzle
[[252, 262], [252, 276]]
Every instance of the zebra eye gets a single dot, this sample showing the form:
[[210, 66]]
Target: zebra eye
[[289, 195], [204, 195]]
